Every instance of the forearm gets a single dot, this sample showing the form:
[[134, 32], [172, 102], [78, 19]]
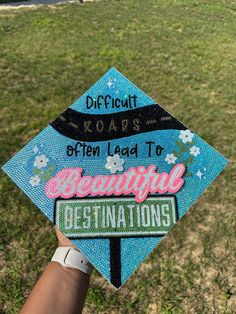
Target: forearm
[[60, 290]]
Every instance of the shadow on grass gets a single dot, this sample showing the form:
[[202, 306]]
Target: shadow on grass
[[16, 3]]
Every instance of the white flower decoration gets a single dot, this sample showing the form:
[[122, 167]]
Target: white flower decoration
[[41, 161], [115, 163], [186, 136], [34, 181], [194, 150], [170, 159]]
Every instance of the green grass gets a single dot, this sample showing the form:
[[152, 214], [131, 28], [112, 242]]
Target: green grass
[[183, 54]]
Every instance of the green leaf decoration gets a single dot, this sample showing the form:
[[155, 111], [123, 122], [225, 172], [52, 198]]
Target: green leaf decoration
[[189, 161], [44, 176], [182, 147], [52, 168], [177, 154], [188, 174], [47, 175], [36, 171], [180, 144]]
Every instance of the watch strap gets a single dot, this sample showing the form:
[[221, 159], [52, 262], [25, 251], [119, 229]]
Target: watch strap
[[70, 257]]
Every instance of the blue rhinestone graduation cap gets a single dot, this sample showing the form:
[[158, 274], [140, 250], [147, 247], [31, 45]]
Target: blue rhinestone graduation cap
[[114, 172]]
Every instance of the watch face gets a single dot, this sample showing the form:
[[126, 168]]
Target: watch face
[[114, 172]]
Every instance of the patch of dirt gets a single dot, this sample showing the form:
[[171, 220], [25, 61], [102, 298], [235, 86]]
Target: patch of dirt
[[153, 308]]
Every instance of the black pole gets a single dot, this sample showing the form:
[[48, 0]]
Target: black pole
[[115, 261]]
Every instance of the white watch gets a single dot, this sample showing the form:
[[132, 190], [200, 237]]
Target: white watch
[[69, 257]]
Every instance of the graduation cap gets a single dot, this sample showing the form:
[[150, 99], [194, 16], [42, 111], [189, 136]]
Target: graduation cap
[[115, 171]]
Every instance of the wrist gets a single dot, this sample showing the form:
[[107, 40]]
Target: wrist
[[69, 272], [69, 257], [61, 244]]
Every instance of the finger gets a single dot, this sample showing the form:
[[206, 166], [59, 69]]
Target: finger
[[62, 240]]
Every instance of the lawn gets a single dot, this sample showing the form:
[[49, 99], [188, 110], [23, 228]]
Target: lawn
[[180, 52]]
